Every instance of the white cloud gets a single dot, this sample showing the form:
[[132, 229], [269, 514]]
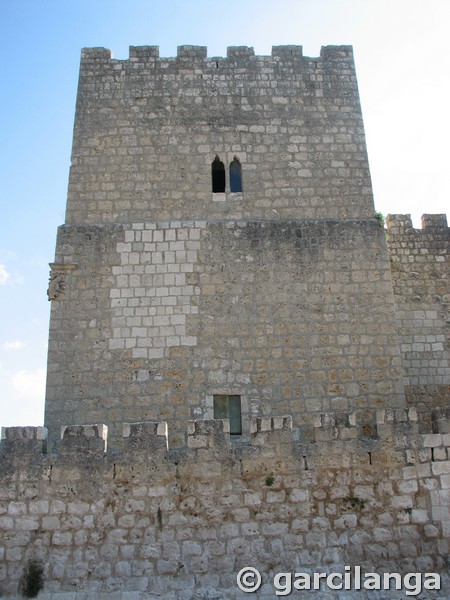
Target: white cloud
[[29, 385], [15, 345], [4, 275]]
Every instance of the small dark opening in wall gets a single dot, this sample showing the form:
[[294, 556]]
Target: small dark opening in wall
[[235, 176], [229, 407], [218, 175]]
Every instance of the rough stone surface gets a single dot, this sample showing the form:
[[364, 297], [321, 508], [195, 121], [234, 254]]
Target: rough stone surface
[[148, 334], [148, 128], [182, 524], [173, 293], [165, 294], [421, 274]]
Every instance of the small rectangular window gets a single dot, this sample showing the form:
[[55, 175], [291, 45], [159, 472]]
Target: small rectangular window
[[229, 407]]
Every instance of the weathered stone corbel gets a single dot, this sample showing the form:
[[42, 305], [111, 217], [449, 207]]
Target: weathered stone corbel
[[57, 279]]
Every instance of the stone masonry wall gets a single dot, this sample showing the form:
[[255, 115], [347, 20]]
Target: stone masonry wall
[[148, 128], [180, 524], [421, 274], [165, 293], [154, 318]]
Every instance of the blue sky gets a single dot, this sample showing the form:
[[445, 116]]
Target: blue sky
[[403, 68]]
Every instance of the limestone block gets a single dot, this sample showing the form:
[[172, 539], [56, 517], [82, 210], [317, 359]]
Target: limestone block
[[62, 538], [38, 507], [445, 481], [440, 468], [432, 440], [408, 487], [440, 454], [251, 499], [419, 516], [17, 508], [299, 495], [6, 523], [440, 513], [271, 431], [401, 502], [250, 529], [347, 521], [83, 443], [275, 497], [274, 529], [78, 508], [145, 441], [213, 433], [167, 567]]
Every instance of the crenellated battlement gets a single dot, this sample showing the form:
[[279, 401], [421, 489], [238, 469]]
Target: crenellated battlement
[[24, 440], [220, 258], [153, 520], [194, 53], [293, 124], [397, 224], [150, 439]]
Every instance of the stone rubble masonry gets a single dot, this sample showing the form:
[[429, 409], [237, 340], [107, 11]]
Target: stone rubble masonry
[[287, 294], [148, 128], [157, 317], [165, 293], [421, 274], [179, 523]]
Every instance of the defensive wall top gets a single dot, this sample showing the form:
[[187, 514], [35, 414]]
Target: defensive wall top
[[147, 130], [429, 222], [234, 53], [151, 438]]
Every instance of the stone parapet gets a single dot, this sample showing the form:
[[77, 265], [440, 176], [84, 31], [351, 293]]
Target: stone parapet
[[212, 433], [437, 221], [284, 52], [151, 521], [335, 426], [144, 441], [83, 443], [24, 440]]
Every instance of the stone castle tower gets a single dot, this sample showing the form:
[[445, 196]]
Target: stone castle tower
[[220, 254], [242, 371]]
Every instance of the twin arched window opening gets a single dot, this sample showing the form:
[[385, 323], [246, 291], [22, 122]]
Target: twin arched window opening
[[218, 175]]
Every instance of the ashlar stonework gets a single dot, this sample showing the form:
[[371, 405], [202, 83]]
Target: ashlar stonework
[[244, 369]]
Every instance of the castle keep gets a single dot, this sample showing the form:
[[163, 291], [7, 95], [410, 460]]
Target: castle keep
[[280, 293], [244, 368]]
